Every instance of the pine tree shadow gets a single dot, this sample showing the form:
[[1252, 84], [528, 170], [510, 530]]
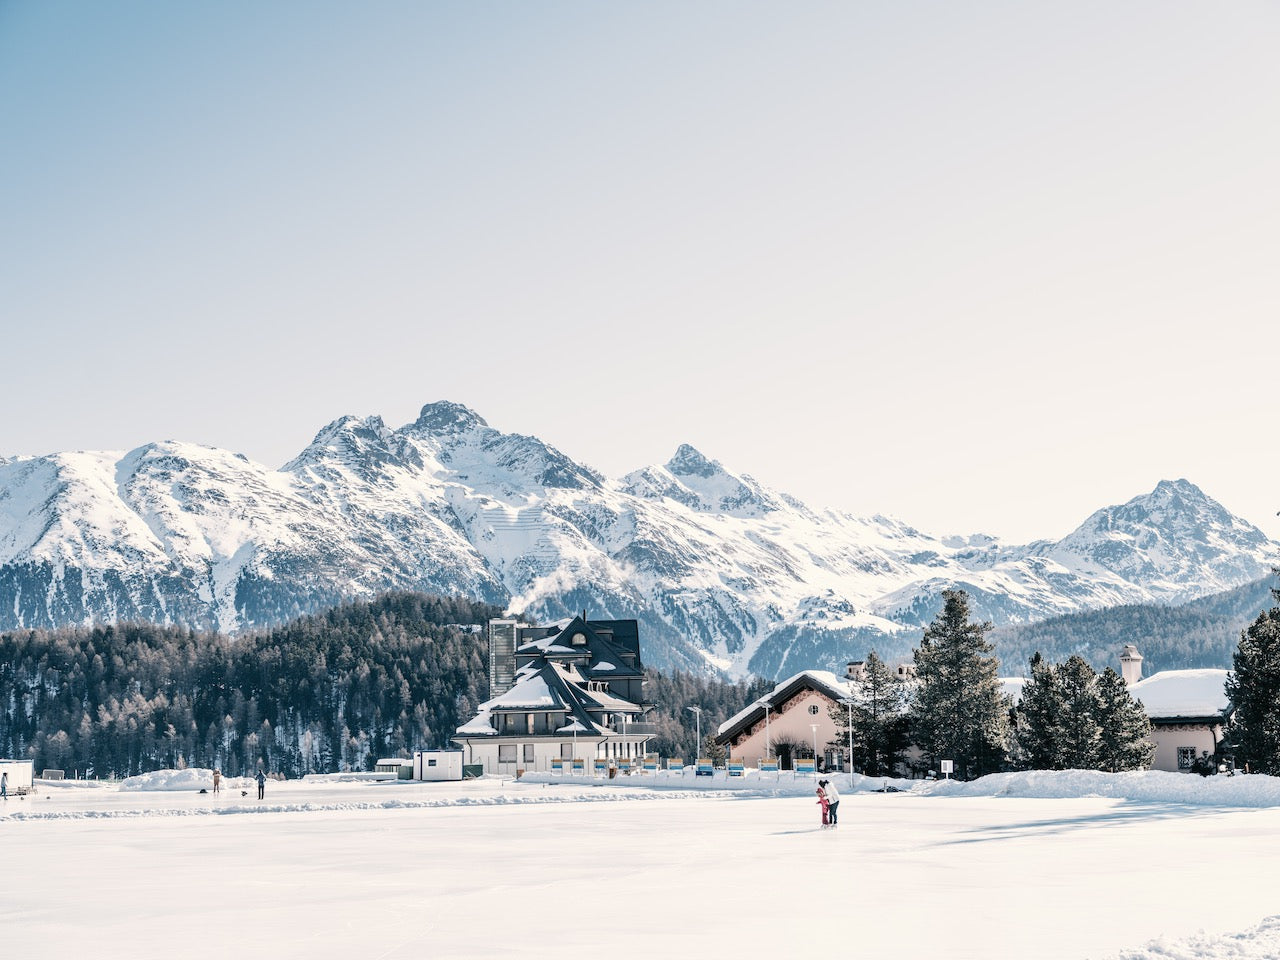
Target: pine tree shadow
[[1128, 812]]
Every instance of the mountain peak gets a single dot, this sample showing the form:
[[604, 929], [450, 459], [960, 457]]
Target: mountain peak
[[447, 418], [689, 462]]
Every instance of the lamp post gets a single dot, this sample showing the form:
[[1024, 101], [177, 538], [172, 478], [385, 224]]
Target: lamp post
[[768, 743], [848, 702], [814, 728], [697, 745]]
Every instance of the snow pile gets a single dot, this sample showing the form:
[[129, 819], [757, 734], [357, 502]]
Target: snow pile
[[1148, 786], [1260, 943], [193, 778]]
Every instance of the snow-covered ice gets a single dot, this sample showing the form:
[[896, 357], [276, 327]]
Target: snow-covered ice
[[1067, 865]]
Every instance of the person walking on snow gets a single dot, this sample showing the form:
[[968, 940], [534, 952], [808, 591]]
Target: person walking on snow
[[217, 780], [262, 784], [833, 800]]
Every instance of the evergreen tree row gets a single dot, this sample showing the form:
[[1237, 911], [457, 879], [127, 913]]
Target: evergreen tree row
[[1069, 717], [328, 692]]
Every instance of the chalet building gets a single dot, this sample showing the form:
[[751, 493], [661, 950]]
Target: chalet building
[[796, 716], [573, 690], [1188, 710]]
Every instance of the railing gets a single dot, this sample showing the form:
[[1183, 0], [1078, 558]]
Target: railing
[[636, 729]]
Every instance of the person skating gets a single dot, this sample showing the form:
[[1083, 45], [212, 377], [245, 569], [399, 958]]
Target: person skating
[[4, 785], [217, 780], [262, 784], [822, 802], [833, 800]]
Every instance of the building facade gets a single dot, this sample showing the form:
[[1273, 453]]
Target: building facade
[[1188, 710], [573, 690]]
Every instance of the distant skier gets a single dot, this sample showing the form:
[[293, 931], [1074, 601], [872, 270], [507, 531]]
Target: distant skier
[[262, 784], [833, 800], [822, 802]]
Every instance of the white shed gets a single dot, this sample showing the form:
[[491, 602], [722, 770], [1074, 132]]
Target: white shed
[[21, 774], [437, 765]]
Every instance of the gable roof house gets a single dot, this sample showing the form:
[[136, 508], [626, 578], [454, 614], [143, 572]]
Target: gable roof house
[[1188, 710], [788, 715], [573, 690]]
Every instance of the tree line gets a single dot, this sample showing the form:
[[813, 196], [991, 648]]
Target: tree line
[[327, 692]]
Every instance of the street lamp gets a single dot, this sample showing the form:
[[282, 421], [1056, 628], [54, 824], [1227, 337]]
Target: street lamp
[[697, 745], [814, 728], [768, 743], [848, 702]]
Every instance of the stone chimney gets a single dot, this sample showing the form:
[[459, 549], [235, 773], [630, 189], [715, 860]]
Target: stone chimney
[[1131, 664]]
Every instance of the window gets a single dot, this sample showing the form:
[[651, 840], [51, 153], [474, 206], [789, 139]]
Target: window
[[1186, 757], [431, 763], [813, 709], [528, 753], [506, 753]]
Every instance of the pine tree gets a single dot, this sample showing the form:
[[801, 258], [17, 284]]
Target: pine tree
[[1253, 687], [1125, 742], [1036, 728], [1081, 731], [959, 712], [1070, 718], [879, 719]]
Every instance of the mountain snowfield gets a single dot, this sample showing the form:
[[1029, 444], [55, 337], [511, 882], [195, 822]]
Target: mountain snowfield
[[720, 570]]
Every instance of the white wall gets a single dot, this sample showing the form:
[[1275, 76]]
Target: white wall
[[1169, 739], [544, 751]]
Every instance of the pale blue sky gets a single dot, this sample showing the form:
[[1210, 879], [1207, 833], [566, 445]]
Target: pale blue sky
[[986, 266]]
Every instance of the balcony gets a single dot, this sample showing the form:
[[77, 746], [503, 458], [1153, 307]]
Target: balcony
[[636, 729]]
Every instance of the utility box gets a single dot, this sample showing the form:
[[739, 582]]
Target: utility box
[[437, 765]]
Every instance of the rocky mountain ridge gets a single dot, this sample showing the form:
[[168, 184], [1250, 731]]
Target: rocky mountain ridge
[[722, 572]]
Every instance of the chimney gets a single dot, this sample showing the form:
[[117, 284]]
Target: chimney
[[1131, 664]]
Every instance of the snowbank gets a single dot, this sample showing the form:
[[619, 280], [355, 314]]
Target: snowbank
[[193, 778], [1260, 943], [1148, 786]]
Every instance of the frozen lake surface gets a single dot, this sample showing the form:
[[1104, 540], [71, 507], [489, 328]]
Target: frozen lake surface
[[525, 869]]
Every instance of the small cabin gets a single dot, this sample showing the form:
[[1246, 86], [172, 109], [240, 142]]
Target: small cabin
[[431, 765], [21, 776]]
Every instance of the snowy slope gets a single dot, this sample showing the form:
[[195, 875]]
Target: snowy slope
[[719, 569]]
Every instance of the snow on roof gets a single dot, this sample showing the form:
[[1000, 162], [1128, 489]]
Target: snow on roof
[[478, 726], [530, 692], [1183, 693]]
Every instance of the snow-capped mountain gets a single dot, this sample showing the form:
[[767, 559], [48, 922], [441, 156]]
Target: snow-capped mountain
[[720, 569]]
